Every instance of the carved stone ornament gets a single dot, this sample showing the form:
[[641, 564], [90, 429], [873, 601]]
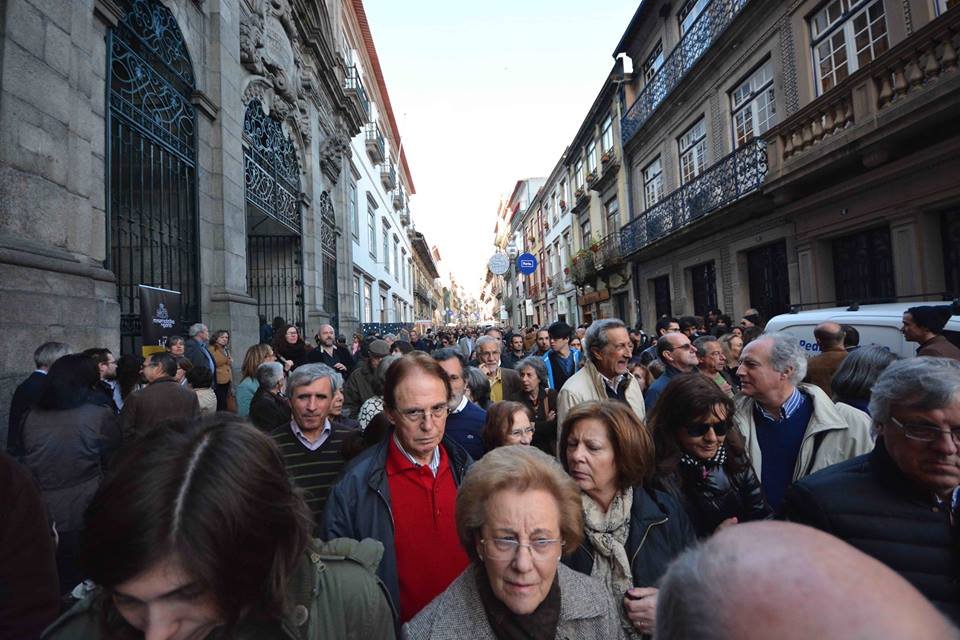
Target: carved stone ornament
[[270, 49], [332, 150]]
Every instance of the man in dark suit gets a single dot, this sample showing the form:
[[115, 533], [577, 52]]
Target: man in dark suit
[[269, 408], [161, 400], [28, 391], [329, 353], [504, 383], [196, 348]]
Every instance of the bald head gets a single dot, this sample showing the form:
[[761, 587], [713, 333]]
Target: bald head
[[829, 335], [784, 580], [326, 335]]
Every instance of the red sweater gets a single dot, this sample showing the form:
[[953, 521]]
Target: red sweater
[[429, 555]]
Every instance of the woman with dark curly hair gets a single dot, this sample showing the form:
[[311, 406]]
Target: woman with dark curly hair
[[700, 455]]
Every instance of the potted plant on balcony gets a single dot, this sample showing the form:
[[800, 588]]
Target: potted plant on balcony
[[566, 271], [563, 205], [579, 192], [606, 157], [592, 177]]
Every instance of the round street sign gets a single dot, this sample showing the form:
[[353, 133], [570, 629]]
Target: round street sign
[[526, 263], [499, 264]]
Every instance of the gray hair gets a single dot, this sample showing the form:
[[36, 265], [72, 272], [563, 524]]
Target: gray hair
[[915, 383], [479, 386], [196, 329], [269, 374], [309, 373], [485, 339], [692, 588], [701, 345], [786, 353], [49, 352], [596, 336], [380, 376], [859, 371], [535, 363]]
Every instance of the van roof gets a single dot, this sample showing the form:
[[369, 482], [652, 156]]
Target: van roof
[[888, 309]]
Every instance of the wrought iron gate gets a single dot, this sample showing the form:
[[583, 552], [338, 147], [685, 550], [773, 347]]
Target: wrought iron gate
[[863, 267], [274, 220], [950, 227], [328, 244], [769, 279], [151, 177], [704, 280]]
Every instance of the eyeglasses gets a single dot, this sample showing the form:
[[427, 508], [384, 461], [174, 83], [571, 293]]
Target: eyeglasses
[[926, 432], [698, 430], [519, 433], [687, 347], [419, 416], [507, 548]]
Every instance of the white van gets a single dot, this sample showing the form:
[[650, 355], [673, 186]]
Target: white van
[[878, 324]]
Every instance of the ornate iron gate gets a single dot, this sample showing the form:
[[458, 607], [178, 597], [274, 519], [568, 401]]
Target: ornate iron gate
[[151, 178], [863, 267], [328, 244], [950, 228], [274, 220], [769, 279], [704, 280]]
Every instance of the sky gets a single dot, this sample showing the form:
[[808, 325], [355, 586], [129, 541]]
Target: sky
[[485, 94]]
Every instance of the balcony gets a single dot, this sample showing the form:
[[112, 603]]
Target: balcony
[[399, 200], [711, 24], [376, 148], [609, 252], [731, 178], [388, 176], [405, 217], [422, 292], [353, 86], [533, 290], [583, 268]]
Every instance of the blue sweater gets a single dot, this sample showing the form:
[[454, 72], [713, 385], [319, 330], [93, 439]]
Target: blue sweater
[[464, 428], [780, 445]]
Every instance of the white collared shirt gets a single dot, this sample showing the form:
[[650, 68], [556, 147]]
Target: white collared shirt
[[613, 385], [462, 405], [434, 462], [312, 446]]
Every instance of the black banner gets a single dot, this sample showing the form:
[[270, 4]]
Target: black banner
[[159, 317]]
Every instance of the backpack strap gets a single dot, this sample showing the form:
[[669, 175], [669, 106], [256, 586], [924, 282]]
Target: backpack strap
[[817, 441]]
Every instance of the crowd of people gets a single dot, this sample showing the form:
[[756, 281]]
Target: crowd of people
[[587, 482]]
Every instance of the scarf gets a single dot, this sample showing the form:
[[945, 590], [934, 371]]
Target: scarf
[[607, 533], [717, 460], [542, 624]]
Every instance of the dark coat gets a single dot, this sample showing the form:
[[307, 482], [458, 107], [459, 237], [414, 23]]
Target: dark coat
[[510, 381], [659, 531], [24, 397], [197, 355], [359, 504], [340, 355], [160, 401], [939, 347], [869, 503], [545, 434], [269, 411], [710, 498], [358, 388]]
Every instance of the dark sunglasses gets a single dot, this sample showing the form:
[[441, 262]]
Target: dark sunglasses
[[697, 430]]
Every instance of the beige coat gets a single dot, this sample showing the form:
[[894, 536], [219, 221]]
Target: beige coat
[[843, 439], [586, 385]]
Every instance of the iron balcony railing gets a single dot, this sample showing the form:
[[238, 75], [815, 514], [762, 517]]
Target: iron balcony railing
[[609, 252], [399, 200], [388, 176], [353, 84], [376, 147], [732, 177], [714, 20]]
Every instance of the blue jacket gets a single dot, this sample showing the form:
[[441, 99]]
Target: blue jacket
[[465, 428], [359, 504], [199, 354], [546, 361], [653, 393]]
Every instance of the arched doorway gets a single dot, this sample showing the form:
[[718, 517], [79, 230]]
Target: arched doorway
[[274, 220], [151, 164]]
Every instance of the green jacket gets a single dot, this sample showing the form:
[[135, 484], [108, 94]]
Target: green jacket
[[332, 593]]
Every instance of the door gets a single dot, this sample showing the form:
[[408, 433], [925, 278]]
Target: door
[[769, 279]]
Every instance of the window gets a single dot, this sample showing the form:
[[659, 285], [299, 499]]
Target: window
[[606, 134], [403, 272], [943, 5], [555, 208], [693, 151], [689, 13], [354, 212], [383, 307], [592, 157], [653, 63], [367, 302], [578, 173], [564, 194], [845, 38], [357, 299], [612, 210], [396, 257], [585, 232], [652, 183], [754, 107], [565, 248], [386, 246], [372, 230]]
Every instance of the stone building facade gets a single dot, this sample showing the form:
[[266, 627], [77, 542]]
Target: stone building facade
[[195, 146]]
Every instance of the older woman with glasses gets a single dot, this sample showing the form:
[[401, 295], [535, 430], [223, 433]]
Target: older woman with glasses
[[700, 457], [632, 531], [507, 423], [517, 514]]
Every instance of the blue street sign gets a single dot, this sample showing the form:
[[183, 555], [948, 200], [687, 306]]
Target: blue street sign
[[526, 263]]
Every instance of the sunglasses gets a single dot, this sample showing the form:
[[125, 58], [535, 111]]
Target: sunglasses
[[698, 430]]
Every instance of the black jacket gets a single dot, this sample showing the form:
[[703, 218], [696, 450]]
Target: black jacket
[[24, 397], [659, 531], [359, 504], [340, 355], [269, 411], [869, 503], [711, 495]]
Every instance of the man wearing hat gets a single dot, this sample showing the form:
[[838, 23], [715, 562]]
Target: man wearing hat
[[924, 325], [359, 385]]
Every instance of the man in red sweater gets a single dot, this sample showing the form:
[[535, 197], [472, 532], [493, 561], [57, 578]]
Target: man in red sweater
[[403, 491]]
